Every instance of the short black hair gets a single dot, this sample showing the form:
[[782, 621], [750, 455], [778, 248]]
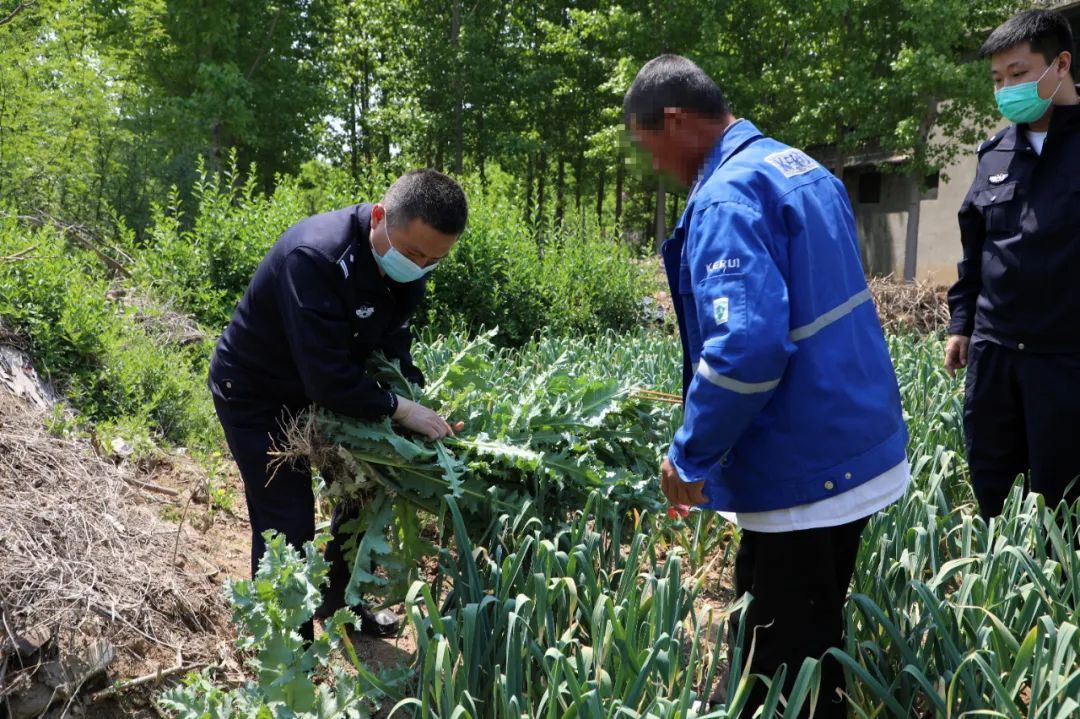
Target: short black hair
[[671, 81], [427, 195], [1048, 32]]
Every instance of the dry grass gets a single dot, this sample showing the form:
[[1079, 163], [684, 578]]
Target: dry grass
[[159, 319]]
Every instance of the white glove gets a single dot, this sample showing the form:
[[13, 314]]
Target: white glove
[[421, 420]]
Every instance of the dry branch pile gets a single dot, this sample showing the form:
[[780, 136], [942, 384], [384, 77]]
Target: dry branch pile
[[83, 560], [917, 307]]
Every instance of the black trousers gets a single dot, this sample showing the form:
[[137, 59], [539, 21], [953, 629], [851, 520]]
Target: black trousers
[[281, 498], [799, 582], [1021, 416]]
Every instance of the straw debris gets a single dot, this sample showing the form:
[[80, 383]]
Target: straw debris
[[918, 307]]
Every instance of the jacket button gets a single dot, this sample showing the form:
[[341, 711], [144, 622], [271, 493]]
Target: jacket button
[[228, 385], [1020, 346], [829, 485], [355, 334], [847, 475]]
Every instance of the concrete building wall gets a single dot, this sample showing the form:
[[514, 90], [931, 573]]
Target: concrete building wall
[[939, 235], [882, 225], [881, 220]]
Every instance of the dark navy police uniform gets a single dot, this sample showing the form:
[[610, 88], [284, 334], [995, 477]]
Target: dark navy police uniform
[[1018, 298], [315, 311]]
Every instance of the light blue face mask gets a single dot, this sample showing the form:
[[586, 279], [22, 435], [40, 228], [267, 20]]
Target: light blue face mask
[[397, 266], [1021, 103]]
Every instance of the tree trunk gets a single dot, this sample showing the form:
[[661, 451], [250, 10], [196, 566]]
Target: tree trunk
[[600, 198], [459, 101], [365, 94], [661, 225], [481, 160], [528, 187], [560, 193], [354, 142], [541, 179], [579, 171], [911, 242]]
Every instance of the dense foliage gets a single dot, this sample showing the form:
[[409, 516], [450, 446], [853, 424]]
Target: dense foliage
[[126, 361]]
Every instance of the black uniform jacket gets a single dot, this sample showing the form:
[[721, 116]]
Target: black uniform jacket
[[315, 311], [1019, 280]]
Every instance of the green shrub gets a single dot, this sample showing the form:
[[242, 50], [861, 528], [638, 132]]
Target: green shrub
[[202, 263], [270, 611], [94, 348], [500, 274], [569, 282]]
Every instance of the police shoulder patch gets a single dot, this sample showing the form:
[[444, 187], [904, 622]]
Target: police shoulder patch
[[792, 162], [987, 144], [345, 261]]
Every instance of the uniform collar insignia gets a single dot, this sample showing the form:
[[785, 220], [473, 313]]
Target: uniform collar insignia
[[998, 179]]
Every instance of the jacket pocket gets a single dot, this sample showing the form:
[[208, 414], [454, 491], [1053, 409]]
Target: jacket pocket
[[369, 319], [722, 311], [1000, 207]]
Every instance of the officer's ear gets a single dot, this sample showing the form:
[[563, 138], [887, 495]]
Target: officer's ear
[[1066, 60], [378, 213]]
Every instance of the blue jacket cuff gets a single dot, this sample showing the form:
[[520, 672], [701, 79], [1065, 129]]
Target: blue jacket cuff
[[687, 472]]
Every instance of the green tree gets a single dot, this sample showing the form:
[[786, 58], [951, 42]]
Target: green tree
[[245, 75], [63, 145], [849, 76]]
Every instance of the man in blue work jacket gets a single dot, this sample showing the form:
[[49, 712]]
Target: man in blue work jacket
[[332, 290], [1016, 304], [792, 425]]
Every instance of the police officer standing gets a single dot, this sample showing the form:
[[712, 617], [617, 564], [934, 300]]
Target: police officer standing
[[1016, 306], [332, 290], [792, 425]]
